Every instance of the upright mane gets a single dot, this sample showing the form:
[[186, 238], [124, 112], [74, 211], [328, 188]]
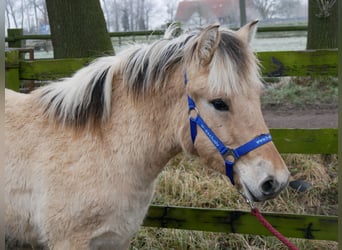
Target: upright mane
[[233, 69], [85, 98]]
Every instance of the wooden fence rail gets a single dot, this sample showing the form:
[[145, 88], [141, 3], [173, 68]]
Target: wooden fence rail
[[303, 141], [17, 35], [274, 64], [242, 222]]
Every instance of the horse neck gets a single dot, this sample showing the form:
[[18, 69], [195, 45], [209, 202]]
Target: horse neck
[[149, 126]]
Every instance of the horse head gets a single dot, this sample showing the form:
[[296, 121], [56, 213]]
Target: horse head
[[223, 83]]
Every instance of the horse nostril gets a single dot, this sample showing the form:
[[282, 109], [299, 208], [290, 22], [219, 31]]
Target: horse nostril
[[269, 187]]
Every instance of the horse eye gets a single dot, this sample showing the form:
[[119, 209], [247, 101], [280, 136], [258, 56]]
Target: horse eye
[[220, 105]]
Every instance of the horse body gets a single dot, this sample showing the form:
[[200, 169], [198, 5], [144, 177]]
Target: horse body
[[82, 154], [60, 166]]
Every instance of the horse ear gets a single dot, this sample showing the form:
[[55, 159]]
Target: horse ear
[[247, 32], [207, 44]]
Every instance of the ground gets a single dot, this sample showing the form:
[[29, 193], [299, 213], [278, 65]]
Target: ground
[[308, 117], [301, 102]]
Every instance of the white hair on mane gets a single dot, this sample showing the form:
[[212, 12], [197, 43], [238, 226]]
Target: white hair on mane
[[234, 67], [86, 95]]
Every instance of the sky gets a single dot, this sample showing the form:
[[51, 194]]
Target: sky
[[160, 15]]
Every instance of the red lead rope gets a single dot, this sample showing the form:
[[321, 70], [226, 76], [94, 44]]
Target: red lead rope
[[255, 211], [270, 228]]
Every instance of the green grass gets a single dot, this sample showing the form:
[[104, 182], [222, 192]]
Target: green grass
[[301, 92]]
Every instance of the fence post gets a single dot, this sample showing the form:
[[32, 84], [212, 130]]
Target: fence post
[[13, 38], [12, 69]]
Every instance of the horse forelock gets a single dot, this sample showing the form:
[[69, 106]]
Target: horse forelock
[[234, 68]]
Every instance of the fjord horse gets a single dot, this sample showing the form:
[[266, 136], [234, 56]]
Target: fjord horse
[[83, 153]]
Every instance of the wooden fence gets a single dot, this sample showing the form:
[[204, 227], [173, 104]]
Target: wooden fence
[[303, 141], [16, 36]]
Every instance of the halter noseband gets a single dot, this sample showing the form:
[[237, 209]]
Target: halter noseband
[[225, 151]]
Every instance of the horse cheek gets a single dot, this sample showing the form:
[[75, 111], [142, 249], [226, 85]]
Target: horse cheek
[[210, 157], [185, 140]]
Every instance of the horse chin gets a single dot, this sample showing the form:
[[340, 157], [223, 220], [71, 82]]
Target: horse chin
[[256, 196], [253, 196], [247, 193]]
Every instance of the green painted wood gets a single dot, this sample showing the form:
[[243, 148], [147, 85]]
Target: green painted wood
[[12, 69], [137, 33], [27, 37], [111, 34], [51, 69], [242, 222], [299, 63], [306, 141], [285, 63], [15, 38], [282, 28]]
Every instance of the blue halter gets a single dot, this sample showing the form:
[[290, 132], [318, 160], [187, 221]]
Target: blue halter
[[236, 153]]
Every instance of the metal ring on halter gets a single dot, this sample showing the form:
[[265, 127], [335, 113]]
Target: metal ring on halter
[[193, 109], [230, 154]]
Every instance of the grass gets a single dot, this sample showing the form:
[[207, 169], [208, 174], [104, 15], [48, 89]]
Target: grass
[[186, 182], [301, 92]]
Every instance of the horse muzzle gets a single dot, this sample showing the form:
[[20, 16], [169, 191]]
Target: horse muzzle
[[259, 186]]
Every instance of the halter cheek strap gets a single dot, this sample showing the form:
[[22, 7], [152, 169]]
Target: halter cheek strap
[[225, 152]]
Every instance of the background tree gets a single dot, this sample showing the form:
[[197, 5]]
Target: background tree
[[106, 13], [128, 15], [269, 9], [243, 18], [10, 13], [141, 15], [31, 15], [322, 25], [289, 8], [266, 8], [78, 29], [125, 19], [171, 7]]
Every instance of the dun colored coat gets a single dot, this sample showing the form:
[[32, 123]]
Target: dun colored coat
[[83, 153]]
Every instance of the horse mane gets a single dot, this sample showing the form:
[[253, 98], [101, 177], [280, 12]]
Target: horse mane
[[85, 99], [233, 69]]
